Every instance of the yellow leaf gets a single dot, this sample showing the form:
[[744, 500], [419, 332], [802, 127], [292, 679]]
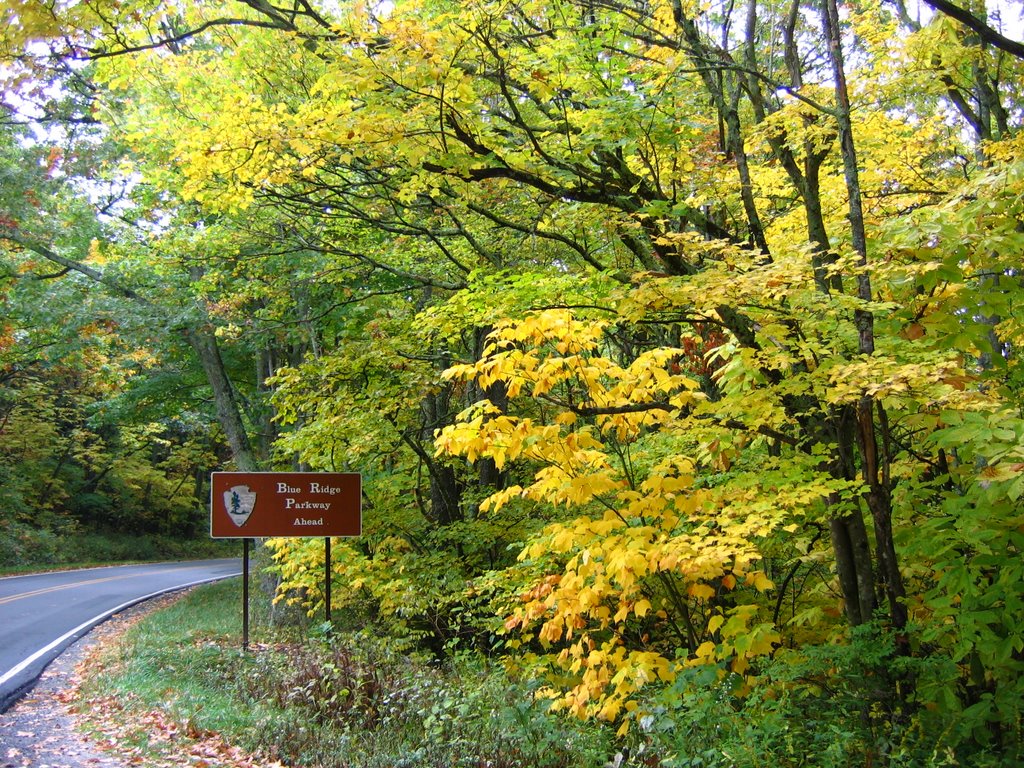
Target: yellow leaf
[[705, 651], [759, 581], [701, 591]]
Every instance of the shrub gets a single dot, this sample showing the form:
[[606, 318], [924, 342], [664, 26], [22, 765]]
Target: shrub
[[376, 707], [856, 703]]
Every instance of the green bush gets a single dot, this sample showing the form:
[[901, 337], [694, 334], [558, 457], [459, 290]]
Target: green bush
[[376, 707], [22, 545], [861, 703]]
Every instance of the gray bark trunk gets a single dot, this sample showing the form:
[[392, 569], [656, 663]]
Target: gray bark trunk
[[229, 416]]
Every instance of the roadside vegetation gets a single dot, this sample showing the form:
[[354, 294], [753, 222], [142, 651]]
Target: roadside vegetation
[[94, 550], [89, 474], [177, 683]]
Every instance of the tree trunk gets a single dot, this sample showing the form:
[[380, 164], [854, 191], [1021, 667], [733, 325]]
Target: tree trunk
[[873, 472], [229, 416], [445, 488]]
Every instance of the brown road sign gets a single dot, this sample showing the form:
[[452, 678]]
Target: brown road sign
[[260, 504]]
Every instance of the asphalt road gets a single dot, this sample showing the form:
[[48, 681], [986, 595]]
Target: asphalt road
[[42, 614]]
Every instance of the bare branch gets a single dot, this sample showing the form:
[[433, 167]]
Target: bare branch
[[987, 34], [70, 264]]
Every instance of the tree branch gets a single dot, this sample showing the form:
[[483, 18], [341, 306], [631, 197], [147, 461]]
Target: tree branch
[[70, 264], [987, 34], [171, 40]]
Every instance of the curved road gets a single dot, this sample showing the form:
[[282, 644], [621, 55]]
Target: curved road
[[42, 614]]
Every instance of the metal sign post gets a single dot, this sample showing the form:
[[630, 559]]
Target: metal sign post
[[245, 595], [327, 580]]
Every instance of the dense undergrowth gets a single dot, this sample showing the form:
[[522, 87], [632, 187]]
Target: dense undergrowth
[[359, 699]]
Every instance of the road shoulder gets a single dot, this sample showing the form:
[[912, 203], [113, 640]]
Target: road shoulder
[[41, 730]]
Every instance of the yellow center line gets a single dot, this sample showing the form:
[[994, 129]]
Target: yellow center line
[[72, 585]]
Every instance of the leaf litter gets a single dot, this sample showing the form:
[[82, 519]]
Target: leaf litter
[[57, 726]]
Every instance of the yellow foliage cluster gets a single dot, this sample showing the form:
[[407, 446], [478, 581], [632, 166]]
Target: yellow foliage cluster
[[650, 552]]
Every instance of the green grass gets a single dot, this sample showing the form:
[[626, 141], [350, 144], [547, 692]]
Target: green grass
[[181, 659], [352, 702]]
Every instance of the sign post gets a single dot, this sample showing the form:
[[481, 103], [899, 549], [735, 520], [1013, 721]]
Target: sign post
[[250, 505], [327, 581], [245, 595]]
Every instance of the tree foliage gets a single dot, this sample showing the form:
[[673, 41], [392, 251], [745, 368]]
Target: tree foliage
[[677, 343]]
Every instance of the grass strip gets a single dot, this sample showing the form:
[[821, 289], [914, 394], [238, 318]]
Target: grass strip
[[177, 684], [165, 687]]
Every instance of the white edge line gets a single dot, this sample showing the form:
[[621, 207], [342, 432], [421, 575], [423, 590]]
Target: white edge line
[[96, 620]]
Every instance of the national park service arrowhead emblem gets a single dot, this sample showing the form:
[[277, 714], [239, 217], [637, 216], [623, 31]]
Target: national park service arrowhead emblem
[[239, 502]]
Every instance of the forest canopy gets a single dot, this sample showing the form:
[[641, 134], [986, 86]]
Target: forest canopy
[[677, 342]]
